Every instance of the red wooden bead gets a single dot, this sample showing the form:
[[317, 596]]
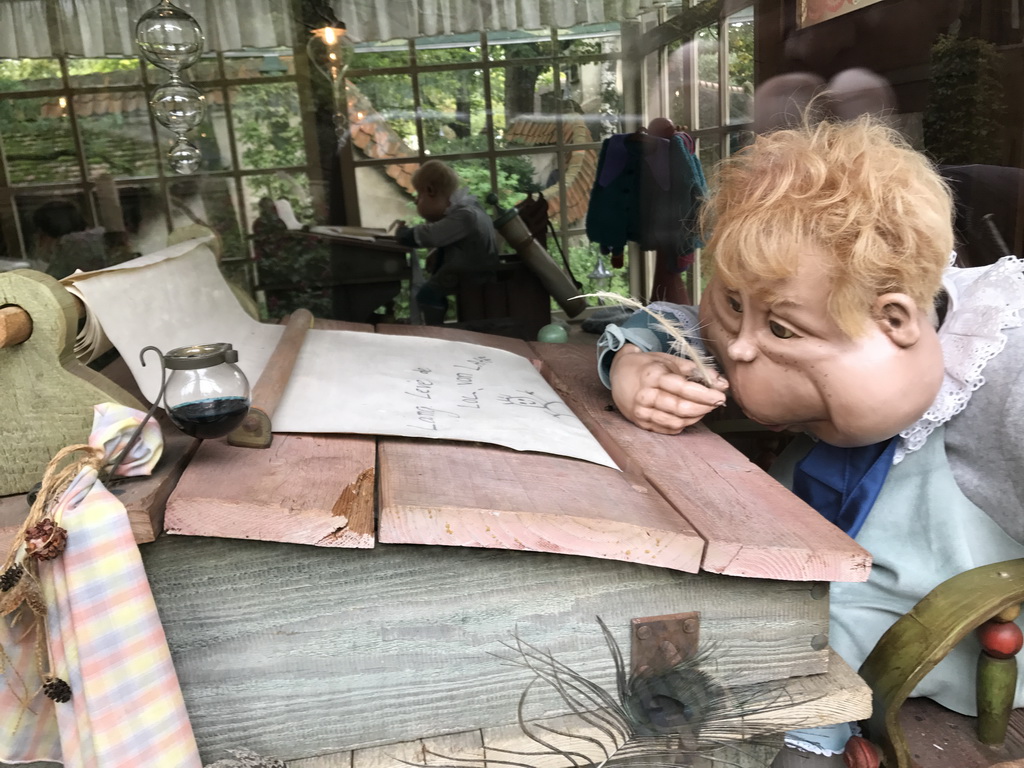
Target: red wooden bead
[[861, 753], [1001, 639]]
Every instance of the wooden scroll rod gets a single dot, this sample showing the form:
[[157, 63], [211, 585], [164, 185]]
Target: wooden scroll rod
[[257, 429], [15, 326]]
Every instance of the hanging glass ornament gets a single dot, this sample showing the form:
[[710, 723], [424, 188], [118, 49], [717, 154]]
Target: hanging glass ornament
[[172, 39], [169, 37], [184, 157], [178, 106]]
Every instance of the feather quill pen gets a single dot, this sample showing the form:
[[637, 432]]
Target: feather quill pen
[[653, 719], [704, 371]]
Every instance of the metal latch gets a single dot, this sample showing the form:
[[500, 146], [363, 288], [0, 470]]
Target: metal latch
[[661, 642]]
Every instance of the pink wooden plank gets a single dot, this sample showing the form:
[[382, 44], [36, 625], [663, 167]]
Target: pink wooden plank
[[467, 494], [753, 526]]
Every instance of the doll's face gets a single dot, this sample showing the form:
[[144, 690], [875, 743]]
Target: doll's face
[[430, 205], [789, 365]]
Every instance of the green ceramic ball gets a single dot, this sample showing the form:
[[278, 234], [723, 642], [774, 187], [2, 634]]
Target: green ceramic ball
[[553, 332]]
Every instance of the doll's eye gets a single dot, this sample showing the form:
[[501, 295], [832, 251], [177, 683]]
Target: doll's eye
[[734, 304], [780, 331]]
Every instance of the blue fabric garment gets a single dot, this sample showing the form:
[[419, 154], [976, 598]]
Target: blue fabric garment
[[843, 483], [648, 190]]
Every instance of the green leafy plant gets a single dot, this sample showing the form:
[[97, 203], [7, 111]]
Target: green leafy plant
[[963, 120]]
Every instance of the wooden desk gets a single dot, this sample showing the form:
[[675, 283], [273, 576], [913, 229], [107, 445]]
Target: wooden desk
[[365, 273], [328, 657]]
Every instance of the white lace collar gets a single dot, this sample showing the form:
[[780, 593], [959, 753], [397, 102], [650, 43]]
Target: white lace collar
[[983, 302]]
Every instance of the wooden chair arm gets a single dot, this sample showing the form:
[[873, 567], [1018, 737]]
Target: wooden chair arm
[[921, 638]]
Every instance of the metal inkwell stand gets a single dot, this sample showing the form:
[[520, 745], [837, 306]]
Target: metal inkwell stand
[[203, 392]]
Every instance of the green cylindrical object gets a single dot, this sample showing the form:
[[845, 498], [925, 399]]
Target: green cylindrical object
[[997, 682]]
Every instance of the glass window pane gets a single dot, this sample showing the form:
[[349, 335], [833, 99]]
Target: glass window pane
[[520, 174], [212, 136], [681, 85], [382, 116], [709, 113], [442, 50], [116, 133], [515, 91], [274, 62], [210, 201], [709, 151], [46, 218], [391, 53], [205, 69], [519, 44], [596, 93], [740, 139], [740, 29], [101, 72], [37, 140], [454, 112], [29, 74], [383, 198], [267, 125], [143, 212], [475, 175], [584, 257]]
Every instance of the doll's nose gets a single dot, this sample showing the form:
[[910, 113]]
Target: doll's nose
[[742, 349]]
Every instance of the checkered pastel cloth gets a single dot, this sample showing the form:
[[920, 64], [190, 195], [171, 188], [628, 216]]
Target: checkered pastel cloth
[[104, 638]]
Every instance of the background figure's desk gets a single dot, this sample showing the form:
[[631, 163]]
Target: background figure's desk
[[300, 652], [363, 273]]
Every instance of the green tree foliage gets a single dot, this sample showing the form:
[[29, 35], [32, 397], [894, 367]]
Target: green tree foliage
[[962, 121], [38, 144]]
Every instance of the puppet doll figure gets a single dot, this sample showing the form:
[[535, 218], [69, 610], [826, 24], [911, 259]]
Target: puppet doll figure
[[458, 230], [833, 312]]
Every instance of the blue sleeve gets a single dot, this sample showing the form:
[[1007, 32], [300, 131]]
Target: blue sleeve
[[643, 330]]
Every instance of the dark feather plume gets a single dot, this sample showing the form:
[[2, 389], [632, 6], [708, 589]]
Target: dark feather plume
[[653, 719]]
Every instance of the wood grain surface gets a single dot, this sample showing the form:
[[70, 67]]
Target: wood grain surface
[[295, 651], [473, 495], [752, 525], [303, 489]]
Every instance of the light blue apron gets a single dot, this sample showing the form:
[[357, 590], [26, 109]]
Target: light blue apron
[[921, 531]]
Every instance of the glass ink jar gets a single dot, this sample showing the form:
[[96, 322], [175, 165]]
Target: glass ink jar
[[205, 395]]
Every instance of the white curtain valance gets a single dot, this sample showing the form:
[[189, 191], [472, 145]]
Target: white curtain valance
[[99, 28]]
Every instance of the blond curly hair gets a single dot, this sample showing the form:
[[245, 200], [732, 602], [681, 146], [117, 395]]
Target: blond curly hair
[[856, 191], [437, 175]]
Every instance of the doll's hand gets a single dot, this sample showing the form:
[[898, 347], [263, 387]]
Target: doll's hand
[[652, 389]]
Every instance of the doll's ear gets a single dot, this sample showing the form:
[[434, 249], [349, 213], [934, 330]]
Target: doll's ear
[[897, 316]]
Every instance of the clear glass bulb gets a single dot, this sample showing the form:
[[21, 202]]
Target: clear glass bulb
[[169, 37], [184, 157], [178, 106], [330, 51]]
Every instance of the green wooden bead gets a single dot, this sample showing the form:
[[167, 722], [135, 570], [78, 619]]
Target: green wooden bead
[[553, 332]]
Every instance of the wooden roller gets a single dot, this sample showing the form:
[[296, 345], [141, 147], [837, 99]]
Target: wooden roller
[[15, 326], [256, 431]]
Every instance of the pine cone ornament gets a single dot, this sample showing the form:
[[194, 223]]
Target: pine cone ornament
[[11, 577], [45, 540], [57, 689]]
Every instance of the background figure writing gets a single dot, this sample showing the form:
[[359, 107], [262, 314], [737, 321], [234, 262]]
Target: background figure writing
[[459, 230]]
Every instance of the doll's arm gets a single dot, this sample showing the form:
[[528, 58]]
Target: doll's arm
[[650, 387], [455, 226]]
